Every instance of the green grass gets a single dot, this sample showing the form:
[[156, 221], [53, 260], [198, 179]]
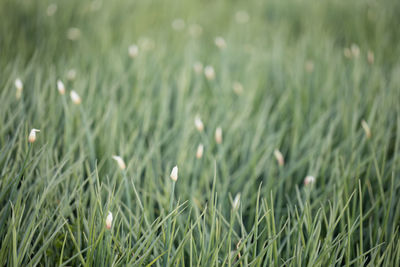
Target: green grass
[[55, 193]]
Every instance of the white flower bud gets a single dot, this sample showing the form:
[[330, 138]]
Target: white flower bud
[[195, 30], [174, 173], [73, 34], [60, 87], [370, 57], [309, 180], [19, 85], [236, 202], [218, 135], [32, 135], [146, 44], [199, 124], [75, 97], [355, 50], [279, 157], [51, 10], [347, 52], [220, 42], [366, 128], [109, 220], [178, 24], [199, 152], [209, 73], [133, 51], [71, 74], [242, 17], [198, 67], [120, 161]]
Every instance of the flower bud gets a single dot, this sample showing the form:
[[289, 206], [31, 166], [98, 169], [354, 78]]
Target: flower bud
[[209, 73], [220, 42], [120, 162], [309, 180], [73, 34], [355, 50], [51, 9], [236, 202], [146, 44], [279, 157], [199, 124], [71, 74], [218, 135], [199, 152], [242, 17], [370, 57], [347, 52], [60, 87], [19, 85], [366, 128], [198, 67], [237, 88], [195, 30], [75, 97], [174, 173], [178, 24], [109, 220], [32, 135], [133, 51]]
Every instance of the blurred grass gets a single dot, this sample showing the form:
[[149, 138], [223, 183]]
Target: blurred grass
[[56, 193]]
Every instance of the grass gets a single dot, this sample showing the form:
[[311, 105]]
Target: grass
[[300, 95]]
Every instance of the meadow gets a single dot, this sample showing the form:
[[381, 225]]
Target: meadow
[[282, 118]]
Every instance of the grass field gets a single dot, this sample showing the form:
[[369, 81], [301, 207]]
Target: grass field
[[296, 88]]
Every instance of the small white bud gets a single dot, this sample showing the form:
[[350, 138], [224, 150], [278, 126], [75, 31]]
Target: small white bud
[[370, 57], [347, 52], [199, 124], [209, 73], [178, 24], [366, 128], [236, 202], [174, 173], [109, 220], [355, 50], [120, 162], [309, 66], [73, 34], [309, 180], [133, 51], [195, 30], [218, 135], [146, 44], [199, 152], [60, 87], [51, 10], [71, 74], [220, 42], [279, 157], [76, 99], [19, 85], [198, 67], [32, 135], [237, 88], [242, 17]]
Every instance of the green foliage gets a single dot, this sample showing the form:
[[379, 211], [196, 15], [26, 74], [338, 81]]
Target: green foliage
[[300, 95]]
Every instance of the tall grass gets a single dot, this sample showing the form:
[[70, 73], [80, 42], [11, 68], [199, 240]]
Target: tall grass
[[295, 91]]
